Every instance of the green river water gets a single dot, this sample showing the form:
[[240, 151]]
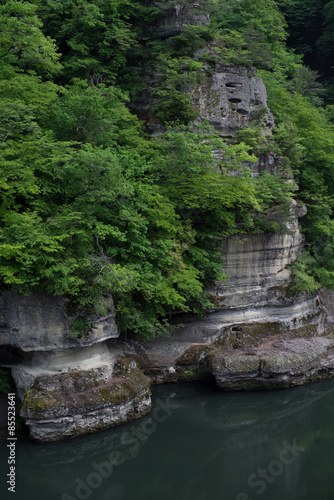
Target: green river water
[[197, 444]]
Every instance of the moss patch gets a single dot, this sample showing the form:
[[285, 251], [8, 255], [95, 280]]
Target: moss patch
[[82, 391], [124, 365], [195, 354], [280, 363], [189, 374], [248, 334], [245, 335], [220, 363]]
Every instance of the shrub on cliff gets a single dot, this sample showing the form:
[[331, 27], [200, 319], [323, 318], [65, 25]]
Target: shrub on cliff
[[90, 206]]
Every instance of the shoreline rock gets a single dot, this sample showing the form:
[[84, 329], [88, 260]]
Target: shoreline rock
[[260, 334], [274, 363], [79, 402], [277, 364]]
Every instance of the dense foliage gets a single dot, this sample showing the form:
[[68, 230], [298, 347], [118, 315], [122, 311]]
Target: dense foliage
[[93, 206], [263, 33]]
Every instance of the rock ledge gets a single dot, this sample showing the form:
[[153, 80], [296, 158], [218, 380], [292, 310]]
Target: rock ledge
[[79, 402]]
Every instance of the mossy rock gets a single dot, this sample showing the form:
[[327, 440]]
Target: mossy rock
[[221, 363], [125, 364], [188, 374], [193, 355], [280, 363], [245, 335], [81, 391]]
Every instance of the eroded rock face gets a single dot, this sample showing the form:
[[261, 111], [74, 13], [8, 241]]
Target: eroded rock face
[[273, 365], [258, 291], [39, 322], [257, 270], [181, 15], [50, 363], [80, 401], [255, 357], [256, 259], [259, 335], [231, 98], [70, 386]]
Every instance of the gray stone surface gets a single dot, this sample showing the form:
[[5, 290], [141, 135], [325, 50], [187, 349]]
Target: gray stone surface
[[231, 98], [289, 318], [49, 363], [255, 259], [269, 359], [274, 364], [257, 292], [180, 15], [39, 322], [80, 402]]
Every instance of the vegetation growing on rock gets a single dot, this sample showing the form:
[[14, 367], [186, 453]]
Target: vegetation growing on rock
[[91, 205], [80, 391]]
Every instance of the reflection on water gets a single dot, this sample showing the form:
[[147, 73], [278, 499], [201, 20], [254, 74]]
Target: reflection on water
[[197, 444]]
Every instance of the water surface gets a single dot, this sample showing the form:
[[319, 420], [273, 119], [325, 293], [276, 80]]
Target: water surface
[[197, 444]]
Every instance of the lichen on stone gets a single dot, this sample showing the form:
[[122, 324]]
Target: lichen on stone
[[82, 401], [192, 355]]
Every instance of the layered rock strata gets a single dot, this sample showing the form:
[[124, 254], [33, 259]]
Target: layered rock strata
[[39, 322], [79, 402], [68, 386], [256, 306], [256, 356], [274, 365]]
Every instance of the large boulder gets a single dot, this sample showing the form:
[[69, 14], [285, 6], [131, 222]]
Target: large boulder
[[79, 402], [274, 364]]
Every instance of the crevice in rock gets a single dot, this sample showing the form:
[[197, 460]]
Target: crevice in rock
[[260, 368], [10, 355], [233, 85], [256, 102]]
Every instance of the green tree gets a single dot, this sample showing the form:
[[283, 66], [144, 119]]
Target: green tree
[[23, 45], [94, 37], [96, 114], [178, 77]]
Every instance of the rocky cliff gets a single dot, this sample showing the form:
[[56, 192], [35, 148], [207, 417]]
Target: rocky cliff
[[68, 386], [259, 335], [230, 98], [174, 17]]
